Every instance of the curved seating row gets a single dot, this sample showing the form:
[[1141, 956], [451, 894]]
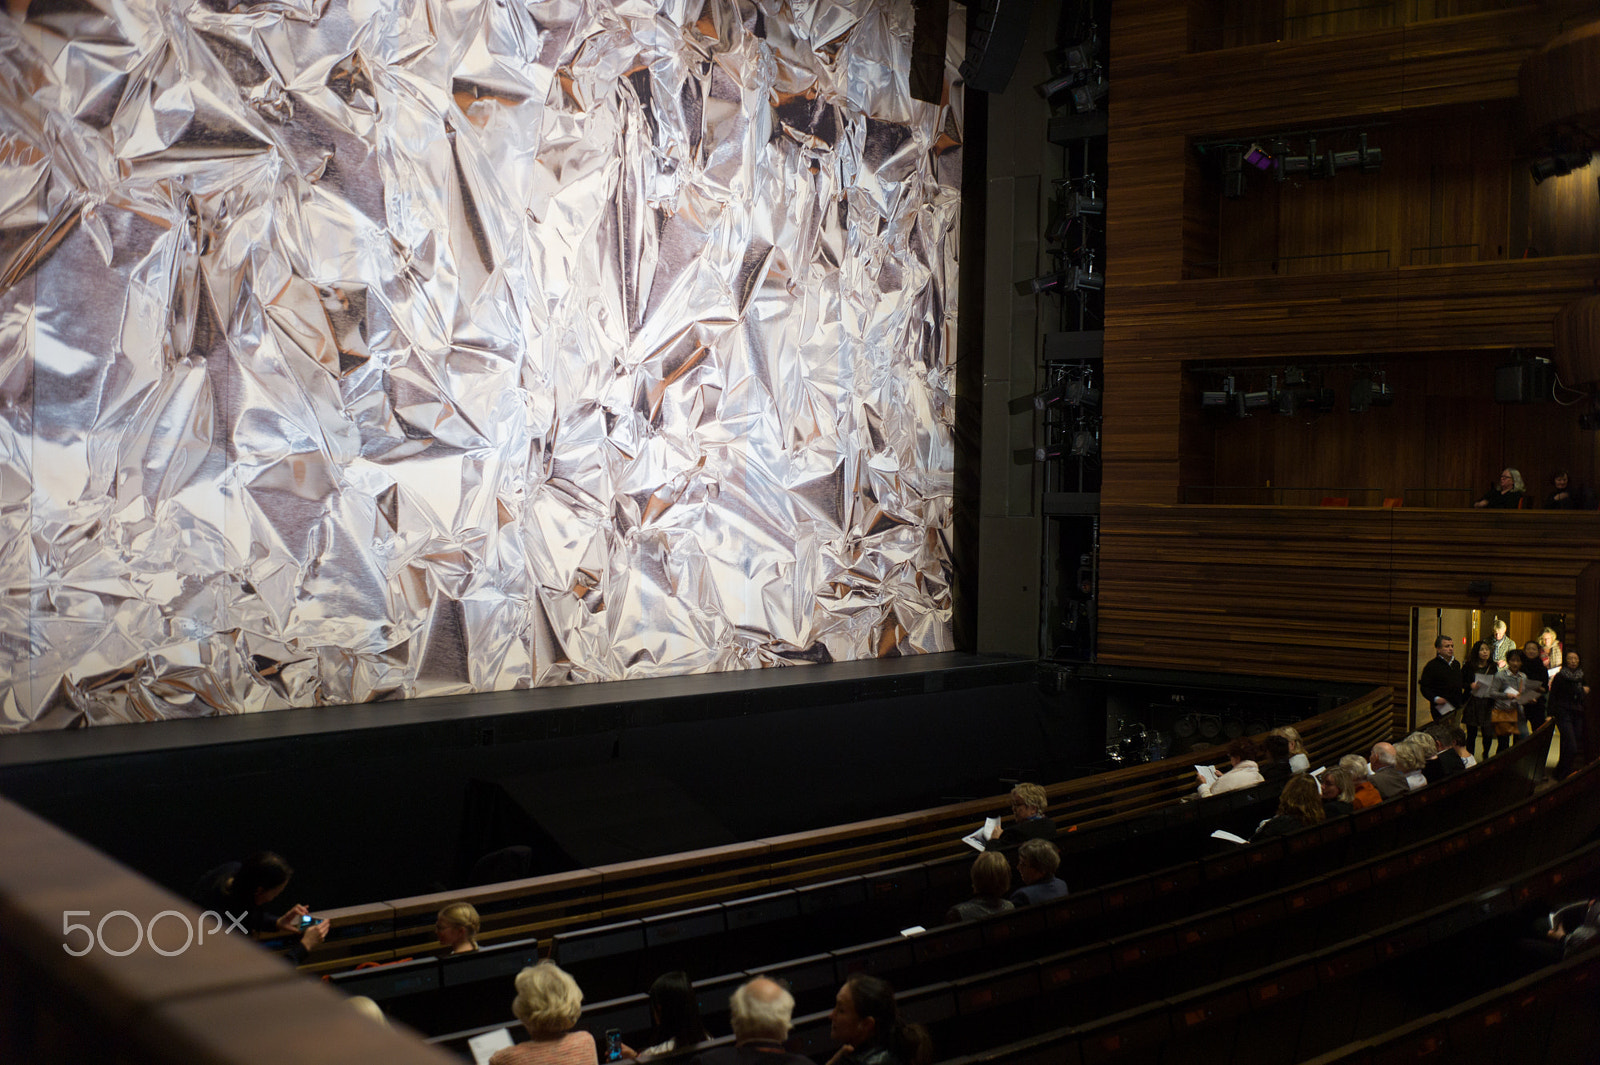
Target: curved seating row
[[1103, 809], [1150, 919]]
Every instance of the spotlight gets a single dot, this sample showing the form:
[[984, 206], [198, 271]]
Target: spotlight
[[1085, 442], [1081, 202], [1087, 96], [1041, 284], [1255, 400], [1259, 158], [1550, 166], [1071, 391], [1056, 89], [1082, 277]]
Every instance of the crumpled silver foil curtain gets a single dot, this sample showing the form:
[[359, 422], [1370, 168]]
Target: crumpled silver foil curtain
[[364, 349]]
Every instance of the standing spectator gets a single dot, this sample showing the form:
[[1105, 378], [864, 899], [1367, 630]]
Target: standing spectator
[[868, 1027], [1502, 643], [991, 879], [548, 1003], [1537, 673], [1564, 495], [1475, 709], [1440, 682], [1568, 693], [1245, 755], [1507, 494], [1037, 863], [1550, 651], [1507, 729]]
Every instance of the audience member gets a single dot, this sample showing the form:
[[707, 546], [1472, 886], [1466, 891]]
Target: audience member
[[1506, 712], [1037, 863], [1300, 806], [1502, 644], [548, 1004], [243, 889], [368, 1008], [1387, 776], [868, 1027], [1551, 653], [1244, 754], [675, 1011], [1568, 694], [1299, 761], [991, 879], [1475, 709], [1275, 768], [761, 1013], [1338, 792], [1028, 819], [1564, 495], [1506, 494], [1446, 761], [1365, 794], [1440, 682], [1463, 747], [456, 928], [1411, 755], [1534, 669]]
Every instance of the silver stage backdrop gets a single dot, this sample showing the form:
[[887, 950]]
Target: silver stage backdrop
[[360, 349]]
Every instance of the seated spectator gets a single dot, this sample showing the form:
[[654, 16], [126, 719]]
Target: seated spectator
[[456, 928], [368, 1007], [868, 1028], [1584, 936], [991, 879], [1276, 768], [1299, 761], [1447, 762], [675, 1011], [1028, 819], [1300, 806], [761, 1013], [1338, 792], [1387, 776], [1462, 746], [1411, 755], [1244, 754], [1037, 863], [1564, 495], [243, 889], [1365, 794], [1506, 494], [548, 1003]]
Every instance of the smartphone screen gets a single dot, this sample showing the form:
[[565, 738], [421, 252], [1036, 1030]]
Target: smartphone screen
[[613, 1044]]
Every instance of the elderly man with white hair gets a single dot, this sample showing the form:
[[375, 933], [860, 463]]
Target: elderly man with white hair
[[760, 1013], [1387, 776]]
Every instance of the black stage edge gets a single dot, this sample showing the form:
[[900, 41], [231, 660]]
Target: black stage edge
[[386, 800]]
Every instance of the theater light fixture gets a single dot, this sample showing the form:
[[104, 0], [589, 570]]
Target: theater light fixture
[[1087, 97], [1559, 165]]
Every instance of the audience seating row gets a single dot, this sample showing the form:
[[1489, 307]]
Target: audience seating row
[[1106, 808], [1287, 1011], [1118, 972]]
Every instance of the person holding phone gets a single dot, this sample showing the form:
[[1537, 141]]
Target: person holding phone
[[243, 889]]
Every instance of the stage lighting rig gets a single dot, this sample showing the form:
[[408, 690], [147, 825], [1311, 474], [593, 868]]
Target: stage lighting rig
[[1087, 97], [1559, 165]]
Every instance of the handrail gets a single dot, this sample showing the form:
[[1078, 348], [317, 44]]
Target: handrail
[[545, 905]]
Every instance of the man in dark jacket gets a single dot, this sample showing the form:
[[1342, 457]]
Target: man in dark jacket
[[1440, 682]]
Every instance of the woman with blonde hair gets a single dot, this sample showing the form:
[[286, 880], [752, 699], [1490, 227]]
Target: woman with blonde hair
[[1299, 761], [548, 1004], [1411, 754], [456, 928]]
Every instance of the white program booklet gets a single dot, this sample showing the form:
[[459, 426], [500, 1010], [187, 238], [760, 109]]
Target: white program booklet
[[483, 1046], [1209, 773], [983, 834], [1229, 836]]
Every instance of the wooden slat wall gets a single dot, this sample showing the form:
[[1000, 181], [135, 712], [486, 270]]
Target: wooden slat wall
[[1312, 592]]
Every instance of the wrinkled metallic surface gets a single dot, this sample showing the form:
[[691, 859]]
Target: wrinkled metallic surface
[[362, 349]]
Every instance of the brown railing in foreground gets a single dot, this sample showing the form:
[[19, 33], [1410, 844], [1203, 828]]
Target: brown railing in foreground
[[545, 905]]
